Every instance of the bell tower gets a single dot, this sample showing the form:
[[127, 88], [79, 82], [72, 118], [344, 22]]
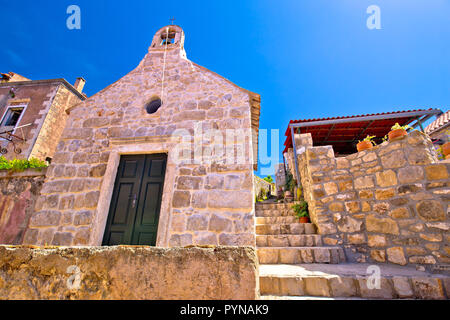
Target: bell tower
[[168, 38]]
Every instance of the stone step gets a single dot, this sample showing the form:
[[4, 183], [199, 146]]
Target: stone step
[[267, 297], [289, 240], [274, 213], [290, 228], [297, 255], [344, 281], [271, 206], [278, 220]]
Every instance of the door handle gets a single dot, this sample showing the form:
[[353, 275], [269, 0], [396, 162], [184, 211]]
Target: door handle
[[134, 198]]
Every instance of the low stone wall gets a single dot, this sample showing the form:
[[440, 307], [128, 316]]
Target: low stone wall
[[387, 204], [18, 194], [227, 273]]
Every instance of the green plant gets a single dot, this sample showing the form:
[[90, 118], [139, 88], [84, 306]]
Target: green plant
[[370, 139], [21, 164], [396, 126], [290, 182], [269, 179], [301, 209]]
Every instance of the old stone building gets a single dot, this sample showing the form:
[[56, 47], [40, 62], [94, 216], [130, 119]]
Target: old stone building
[[142, 161], [34, 112]]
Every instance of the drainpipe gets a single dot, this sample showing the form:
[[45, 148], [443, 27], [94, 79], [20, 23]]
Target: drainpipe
[[295, 156]]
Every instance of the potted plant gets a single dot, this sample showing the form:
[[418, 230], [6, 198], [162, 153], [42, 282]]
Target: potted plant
[[289, 187], [365, 144], [446, 150], [301, 211], [398, 131]]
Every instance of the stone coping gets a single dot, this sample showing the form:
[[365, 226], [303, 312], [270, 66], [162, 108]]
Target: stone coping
[[20, 174], [128, 272]]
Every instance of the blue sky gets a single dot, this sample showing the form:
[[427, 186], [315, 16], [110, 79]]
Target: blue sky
[[306, 58]]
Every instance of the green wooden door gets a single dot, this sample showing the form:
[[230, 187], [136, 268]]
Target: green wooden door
[[136, 201]]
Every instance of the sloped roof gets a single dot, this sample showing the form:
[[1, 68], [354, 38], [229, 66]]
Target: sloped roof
[[344, 132], [442, 121]]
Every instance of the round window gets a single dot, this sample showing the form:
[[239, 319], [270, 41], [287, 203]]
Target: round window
[[153, 105]]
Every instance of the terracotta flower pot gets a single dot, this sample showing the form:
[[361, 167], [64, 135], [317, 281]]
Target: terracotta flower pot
[[446, 149], [398, 133], [364, 145], [303, 219]]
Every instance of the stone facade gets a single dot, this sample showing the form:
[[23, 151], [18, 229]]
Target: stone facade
[[388, 204], [263, 187], [206, 201], [280, 177], [130, 273], [44, 103], [19, 192]]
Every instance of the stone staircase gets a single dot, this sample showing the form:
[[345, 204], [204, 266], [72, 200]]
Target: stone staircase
[[280, 239], [294, 264]]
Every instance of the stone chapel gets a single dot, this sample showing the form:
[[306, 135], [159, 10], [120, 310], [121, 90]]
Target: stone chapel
[[142, 162]]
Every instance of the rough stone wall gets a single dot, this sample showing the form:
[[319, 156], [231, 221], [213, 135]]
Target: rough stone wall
[[54, 121], [387, 204], [131, 273], [204, 202], [18, 195]]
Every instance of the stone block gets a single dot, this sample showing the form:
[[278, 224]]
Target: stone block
[[410, 174], [383, 194], [181, 199], [291, 286], [385, 291], [180, 240], [349, 224], [219, 223], [400, 213], [197, 222], [189, 183], [381, 225], [395, 159], [428, 288], [289, 256], [317, 286], [436, 172], [430, 210], [364, 182], [343, 286], [402, 287], [357, 238], [396, 255], [268, 256], [422, 260], [205, 238], [386, 178], [378, 255], [82, 218], [330, 188], [62, 239], [45, 219]]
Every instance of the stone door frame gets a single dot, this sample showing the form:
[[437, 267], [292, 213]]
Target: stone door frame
[[132, 146]]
